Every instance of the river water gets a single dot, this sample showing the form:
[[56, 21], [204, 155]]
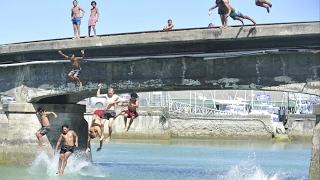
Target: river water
[[176, 159]]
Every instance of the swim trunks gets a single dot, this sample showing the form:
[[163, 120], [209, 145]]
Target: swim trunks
[[221, 11], [44, 130], [76, 71], [131, 113], [92, 21], [76, 21], [99, 113], [65, 149], [109, 114], [236, 13]]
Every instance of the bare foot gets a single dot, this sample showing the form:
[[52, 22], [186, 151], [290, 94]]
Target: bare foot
[[226, 27], [101, 138], [74, 38], [94, 36], [270, 4], [99, 149], [108, 139], [125, 129], [221, 27], [87, 37], [87, 150], [80, 84], [78, 37], [60, 174], [57, 172], [39, 148]]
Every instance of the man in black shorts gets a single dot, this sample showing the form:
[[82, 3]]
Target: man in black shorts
[[67, 149], [45, 122], [221, 12]]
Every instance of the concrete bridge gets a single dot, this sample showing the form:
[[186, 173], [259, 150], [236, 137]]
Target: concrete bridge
[[282, 57]]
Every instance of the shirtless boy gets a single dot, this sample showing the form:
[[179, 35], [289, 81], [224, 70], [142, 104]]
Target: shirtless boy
[[111, 100], [232, 12], [76, 18], [45, 124], [222, 13], [170, 26], [265, 4], [131, 113], [93, 19], [67, 149], [97, 126], [75, 72]]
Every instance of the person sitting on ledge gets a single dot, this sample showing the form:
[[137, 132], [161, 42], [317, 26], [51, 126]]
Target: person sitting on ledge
[[170, 26]]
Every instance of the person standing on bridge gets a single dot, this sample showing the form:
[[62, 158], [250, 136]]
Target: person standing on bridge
[[93, 19], [265, 4], [76, 18], [110, 114], [75, 72], [170, 26], [67, 149], [45, 124], [222, 13]]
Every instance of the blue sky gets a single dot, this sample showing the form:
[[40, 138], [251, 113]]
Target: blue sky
[[24, 20]]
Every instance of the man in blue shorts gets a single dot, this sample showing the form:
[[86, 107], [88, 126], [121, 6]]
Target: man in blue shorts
[[76, 18]]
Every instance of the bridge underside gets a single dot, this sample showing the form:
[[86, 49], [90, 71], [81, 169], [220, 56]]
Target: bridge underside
[[48, 83]]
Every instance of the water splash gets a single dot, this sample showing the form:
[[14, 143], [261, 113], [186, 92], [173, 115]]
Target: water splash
[[78, 165]]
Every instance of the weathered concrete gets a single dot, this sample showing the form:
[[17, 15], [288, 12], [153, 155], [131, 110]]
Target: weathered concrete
[[185, 41], [146, 126], [315, 157], [50, 84], [18, 143], [300, 126]]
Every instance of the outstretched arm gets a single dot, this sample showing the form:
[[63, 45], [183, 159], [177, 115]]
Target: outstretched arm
[[98, 91], [58, 144], [63, 54], [54, 114], [213, 7], [82, 52]]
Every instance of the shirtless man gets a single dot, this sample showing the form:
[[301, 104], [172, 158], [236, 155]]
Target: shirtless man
[[222, 13], [131, 113], [170, 26], [232, 12], [75, 72], [93, 19], [67, 149], [111, 100], [45, 125], [76, 18], [265, 4], [97, 126]]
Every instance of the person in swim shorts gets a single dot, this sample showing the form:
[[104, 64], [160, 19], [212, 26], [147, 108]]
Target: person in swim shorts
[[75, 72], [237, 15], [76, 18], [222, 13], [45, 124], [265, 4], [93, 19], [70, 140], [131, 113]]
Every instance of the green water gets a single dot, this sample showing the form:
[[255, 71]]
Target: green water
[[177, 159]]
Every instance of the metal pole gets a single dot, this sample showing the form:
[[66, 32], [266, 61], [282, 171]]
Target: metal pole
[[214, 97]]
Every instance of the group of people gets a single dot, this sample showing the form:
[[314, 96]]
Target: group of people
[[96, 127], [225, 10]]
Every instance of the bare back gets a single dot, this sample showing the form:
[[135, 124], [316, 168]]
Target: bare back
[[69, 138]]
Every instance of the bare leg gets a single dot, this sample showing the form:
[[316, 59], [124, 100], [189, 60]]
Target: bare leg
[[70, 75], [76, 78], [264, 3], [39, 136], [131, 121], [89, 31], [103, 121], [94, 31], [125, 122], [225, 21], [78, 27], [110, 129], [60, 162], [74, 31], [222, 21], [65, 160], [252, 20], [239, 19]]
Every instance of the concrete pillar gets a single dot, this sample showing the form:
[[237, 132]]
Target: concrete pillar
[[21, 122], [315, 156]]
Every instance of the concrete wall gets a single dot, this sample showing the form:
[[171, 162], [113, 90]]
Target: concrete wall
[[146, 126], [18, 126], [300, 126], [315, 157]]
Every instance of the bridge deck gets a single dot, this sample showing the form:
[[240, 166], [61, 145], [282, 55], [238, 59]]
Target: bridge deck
[[182, 41]]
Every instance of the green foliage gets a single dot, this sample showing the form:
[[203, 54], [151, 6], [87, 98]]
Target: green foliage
[[164, 117]]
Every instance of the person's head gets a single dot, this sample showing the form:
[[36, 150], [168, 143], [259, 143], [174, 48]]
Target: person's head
[[40, 110], [219, 2], [71, 56], [134, 96], [93, 4], [65, 128], [92, 134], [110, 92], [75, 2], [169, 22]]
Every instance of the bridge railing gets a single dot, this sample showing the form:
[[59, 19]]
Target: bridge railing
[[191, 109]]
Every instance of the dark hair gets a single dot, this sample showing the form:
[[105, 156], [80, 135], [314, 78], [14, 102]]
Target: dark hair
[[169, 20], [64, 126], [40, 110], [134, 95], [75, 1], [92, 135], [93, 2], [219, 2], [70, 55]]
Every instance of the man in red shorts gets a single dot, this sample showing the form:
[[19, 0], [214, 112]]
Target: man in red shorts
[[131, 113]]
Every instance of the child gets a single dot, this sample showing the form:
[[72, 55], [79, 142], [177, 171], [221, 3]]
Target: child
[[170, 26], [93, 19], [76, 18], [131, 113], [75, 72], [265, 4], [45, 125], [67, 149]]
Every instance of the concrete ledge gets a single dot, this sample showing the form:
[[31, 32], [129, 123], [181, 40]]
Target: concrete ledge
[[32, 108]]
